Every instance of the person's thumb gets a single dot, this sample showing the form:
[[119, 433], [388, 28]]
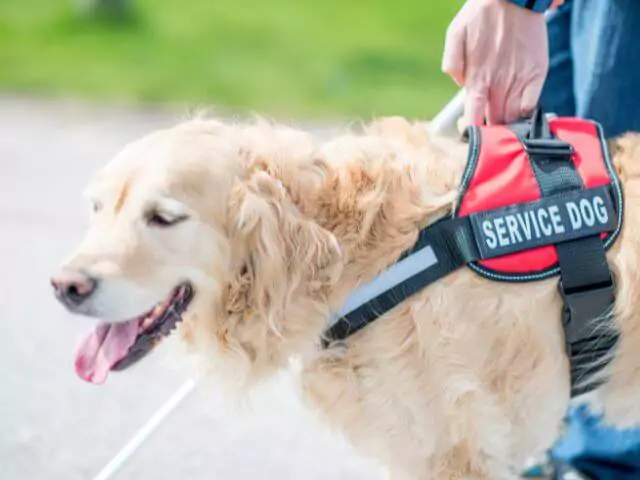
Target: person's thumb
[[530, 97], [453, 58]]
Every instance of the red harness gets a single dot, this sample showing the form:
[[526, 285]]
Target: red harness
[[499, 174], [538, 199]]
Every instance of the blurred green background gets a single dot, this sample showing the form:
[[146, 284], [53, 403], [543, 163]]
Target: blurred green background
[[310, 59]]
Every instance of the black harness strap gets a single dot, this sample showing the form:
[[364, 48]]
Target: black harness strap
[[453, 245], [585, 284]]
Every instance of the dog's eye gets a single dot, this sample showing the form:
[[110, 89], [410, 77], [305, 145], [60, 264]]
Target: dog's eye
[[157, 219], [96, 206]]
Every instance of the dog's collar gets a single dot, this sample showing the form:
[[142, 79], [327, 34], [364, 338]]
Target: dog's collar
[[585, 283]]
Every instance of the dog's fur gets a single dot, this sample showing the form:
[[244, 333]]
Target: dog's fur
[[464, 380]]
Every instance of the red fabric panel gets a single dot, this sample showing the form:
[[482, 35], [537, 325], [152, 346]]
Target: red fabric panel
[[503, 174], [503, 177], [583, 135]]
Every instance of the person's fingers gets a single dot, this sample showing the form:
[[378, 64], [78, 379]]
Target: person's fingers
[[512, 110], [453, 58], [497, 101], [530, 97], [475, 107]]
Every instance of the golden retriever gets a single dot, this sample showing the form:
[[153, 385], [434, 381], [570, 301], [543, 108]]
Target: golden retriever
[[246, 237]]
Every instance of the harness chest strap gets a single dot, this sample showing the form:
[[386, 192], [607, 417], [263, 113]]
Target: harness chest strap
[[567, 215], [586, 284]]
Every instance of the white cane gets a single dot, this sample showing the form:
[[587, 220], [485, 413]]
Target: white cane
[[143, 434], [446, 120]]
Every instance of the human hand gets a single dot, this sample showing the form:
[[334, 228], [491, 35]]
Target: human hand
[[499, 52]]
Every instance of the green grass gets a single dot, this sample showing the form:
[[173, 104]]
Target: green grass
[[315, 59]]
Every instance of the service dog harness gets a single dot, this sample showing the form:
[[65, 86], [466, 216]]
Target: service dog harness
[[538, 199]]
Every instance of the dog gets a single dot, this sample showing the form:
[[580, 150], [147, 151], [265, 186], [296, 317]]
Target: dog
[[244, 238]]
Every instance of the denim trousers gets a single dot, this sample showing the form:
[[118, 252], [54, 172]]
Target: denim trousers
[[594, 72], [594, 69]]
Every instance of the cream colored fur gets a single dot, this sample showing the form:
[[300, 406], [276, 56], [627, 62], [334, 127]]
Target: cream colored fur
[[462, 381]]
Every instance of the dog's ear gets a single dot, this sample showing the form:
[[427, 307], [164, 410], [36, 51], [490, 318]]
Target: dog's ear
[[279, 255]]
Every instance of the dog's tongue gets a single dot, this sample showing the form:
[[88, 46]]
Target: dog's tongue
[[103, 348]]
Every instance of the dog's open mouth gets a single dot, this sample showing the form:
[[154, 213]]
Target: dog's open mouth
[[118, 345]]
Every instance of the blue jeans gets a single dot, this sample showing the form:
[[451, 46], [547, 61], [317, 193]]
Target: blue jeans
[[595, 63], [595, 73], [600, 452]]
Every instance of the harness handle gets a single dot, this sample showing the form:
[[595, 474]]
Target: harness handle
[[539, 126], [535, 134]]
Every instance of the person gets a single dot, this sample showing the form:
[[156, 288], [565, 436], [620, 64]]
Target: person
[[582, 62], [581, 59]]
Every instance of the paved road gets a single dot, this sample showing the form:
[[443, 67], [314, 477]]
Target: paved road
[[52, 425]]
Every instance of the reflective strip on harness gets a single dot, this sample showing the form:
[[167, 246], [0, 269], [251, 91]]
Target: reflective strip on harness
[[401, 271], [440, 249]]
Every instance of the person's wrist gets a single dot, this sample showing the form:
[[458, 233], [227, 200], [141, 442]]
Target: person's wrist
[[539, 6]]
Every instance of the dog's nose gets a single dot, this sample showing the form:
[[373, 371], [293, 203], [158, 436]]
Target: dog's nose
[[73, 287]]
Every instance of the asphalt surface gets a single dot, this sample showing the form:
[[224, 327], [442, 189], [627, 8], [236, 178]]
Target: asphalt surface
[[55, 427]]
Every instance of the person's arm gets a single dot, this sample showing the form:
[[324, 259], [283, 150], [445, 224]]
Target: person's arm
[[498, 50]]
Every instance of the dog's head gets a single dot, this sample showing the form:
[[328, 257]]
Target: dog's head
[[196, 223]]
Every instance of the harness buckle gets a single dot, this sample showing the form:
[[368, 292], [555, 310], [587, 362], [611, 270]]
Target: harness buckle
[[583, 308], [547, 147]]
